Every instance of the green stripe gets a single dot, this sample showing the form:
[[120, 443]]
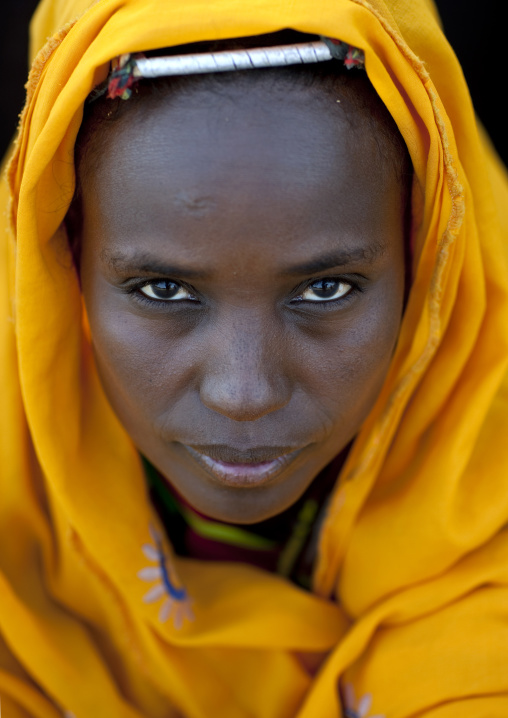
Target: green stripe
[[293, 548], [224, 533]]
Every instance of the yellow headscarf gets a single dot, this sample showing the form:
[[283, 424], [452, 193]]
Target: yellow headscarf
[[410, 597]]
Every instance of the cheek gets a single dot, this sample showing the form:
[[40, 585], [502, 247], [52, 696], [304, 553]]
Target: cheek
[[143, 366], [144, 363], [346, 362]]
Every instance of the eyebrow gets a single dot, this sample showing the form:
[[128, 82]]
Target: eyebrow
[[338, 258], [145, 262]]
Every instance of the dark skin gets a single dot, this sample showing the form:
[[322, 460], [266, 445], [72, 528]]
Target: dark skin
[[243, 274]]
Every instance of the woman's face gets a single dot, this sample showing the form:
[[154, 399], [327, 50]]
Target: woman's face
[[243, 273]]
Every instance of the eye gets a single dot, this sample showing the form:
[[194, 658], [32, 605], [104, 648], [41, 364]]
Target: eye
[[325, 290], [166, 291]]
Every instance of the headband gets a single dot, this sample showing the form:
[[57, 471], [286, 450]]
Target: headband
[[128, 69]]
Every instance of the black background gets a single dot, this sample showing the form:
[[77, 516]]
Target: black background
[[473, 28]]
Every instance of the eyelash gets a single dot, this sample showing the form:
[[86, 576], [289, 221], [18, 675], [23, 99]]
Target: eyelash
[[160, 304], [331, 304], [134, 290]]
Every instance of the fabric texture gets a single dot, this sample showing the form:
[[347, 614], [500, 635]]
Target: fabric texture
[[410, 591]]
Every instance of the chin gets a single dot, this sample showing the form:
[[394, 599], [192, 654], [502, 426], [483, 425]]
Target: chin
[[244, 505]]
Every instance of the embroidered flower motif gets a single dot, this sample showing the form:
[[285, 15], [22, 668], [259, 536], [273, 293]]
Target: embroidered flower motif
[[354, 709], [177, 602]]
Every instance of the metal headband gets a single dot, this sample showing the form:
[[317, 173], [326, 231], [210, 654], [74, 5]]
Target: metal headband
[[126, 70]]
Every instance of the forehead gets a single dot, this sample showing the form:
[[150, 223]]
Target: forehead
[[278, 159]]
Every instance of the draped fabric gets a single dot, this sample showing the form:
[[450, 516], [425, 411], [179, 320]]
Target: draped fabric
[[408, 615]]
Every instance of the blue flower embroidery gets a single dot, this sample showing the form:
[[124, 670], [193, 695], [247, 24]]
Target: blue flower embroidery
[[354, 708], [177, 602]]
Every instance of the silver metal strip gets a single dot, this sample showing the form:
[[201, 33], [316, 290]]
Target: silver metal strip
[[226, 61]]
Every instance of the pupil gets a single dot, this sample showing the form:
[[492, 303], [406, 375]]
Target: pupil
[[325, 287], [164, 290]]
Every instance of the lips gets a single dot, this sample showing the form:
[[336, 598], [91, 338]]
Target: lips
[[243, 468]]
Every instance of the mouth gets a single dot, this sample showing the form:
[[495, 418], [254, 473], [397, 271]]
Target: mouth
[[243, 469]]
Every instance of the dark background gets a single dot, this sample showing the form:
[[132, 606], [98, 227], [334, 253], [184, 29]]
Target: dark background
[[475, 35]]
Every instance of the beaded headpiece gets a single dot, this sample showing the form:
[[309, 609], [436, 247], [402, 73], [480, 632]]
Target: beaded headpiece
[[128, 69]]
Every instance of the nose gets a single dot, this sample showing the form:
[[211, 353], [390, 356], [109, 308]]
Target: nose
[[243, 374]]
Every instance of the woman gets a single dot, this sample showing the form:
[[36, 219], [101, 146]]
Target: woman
[[99, 613]]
